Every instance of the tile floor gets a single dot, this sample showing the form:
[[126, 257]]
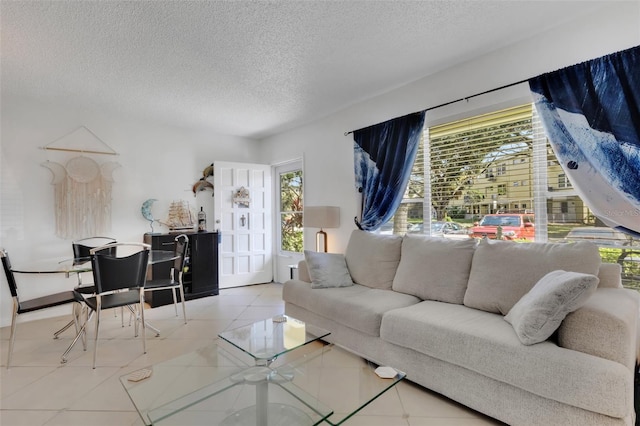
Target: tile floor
[[38, 390]]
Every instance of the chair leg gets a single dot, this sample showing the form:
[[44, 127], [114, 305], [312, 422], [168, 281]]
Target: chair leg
[[82, 333], [144, 333], [184, 309], [63, 329], [95, 342], [73, 321], [175, 300], [12, 338]]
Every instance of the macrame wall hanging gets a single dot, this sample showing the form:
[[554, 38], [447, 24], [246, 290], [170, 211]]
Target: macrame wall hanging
[[82, 186]]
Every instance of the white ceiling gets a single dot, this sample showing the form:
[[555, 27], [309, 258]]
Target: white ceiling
[[249, 68]]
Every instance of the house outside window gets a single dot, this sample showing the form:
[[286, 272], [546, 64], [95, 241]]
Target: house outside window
[[563, 181]]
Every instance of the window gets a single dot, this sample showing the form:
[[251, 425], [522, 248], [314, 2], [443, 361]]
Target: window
[[290, 203], [563, 181], [499, 162], [483, 165]]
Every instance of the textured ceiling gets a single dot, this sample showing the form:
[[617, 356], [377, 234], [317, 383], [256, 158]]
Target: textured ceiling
[[249, 68]]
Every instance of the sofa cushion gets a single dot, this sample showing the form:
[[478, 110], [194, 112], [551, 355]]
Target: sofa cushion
[[373, 259], [358, 307], [539, 313], [434, 268], [486, 344], [327, 269], [503, 271]]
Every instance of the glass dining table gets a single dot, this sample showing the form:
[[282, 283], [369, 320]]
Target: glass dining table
[[77, 266], [70, 265]]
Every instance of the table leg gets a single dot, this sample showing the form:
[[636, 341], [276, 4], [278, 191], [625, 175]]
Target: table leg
[[262, 403]]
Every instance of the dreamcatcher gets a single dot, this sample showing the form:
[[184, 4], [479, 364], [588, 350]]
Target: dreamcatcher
[[82, 192]]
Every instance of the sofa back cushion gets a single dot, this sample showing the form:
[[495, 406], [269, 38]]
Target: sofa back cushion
[[372, 259], [434, 268], [502, 271]]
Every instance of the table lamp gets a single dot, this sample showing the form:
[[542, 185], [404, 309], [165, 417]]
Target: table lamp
[[321, 217]]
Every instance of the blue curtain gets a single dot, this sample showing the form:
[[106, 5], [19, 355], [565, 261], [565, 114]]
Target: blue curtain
[[383, 158], [591, 115]]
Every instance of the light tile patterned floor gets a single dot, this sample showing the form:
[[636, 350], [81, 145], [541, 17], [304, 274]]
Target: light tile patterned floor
[[38, 390]]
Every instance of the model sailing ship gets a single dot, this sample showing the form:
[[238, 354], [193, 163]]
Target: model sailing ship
[[180, 217]]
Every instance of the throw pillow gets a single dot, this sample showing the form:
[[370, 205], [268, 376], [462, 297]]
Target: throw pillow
[[373, 258], [504, 271], [327, 269], [539, 313], [434, 268]]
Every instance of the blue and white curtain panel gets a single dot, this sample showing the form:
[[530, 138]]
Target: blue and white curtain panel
[[591, 115], [383, 158]]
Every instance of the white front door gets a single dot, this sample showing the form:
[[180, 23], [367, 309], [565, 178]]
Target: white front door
[[244, 223]]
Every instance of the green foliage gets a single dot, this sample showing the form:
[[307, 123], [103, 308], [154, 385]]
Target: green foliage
[[630, 268], [291, 207]]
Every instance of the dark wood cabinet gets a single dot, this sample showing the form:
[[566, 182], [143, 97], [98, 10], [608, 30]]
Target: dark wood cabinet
[[201, 276]]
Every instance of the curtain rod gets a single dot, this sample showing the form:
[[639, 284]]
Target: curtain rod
[[462, 99]]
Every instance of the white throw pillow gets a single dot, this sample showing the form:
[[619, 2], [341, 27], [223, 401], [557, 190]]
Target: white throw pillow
[[327, 269], [540, 312]]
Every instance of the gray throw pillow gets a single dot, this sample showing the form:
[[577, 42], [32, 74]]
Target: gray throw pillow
[[540, 312], [327, 269]]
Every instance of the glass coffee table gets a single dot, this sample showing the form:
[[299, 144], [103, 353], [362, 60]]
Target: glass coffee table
[[270, 373], [266, 340]]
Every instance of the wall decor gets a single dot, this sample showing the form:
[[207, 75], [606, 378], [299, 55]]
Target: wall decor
[[146, 211], [201, 185], [204, 184], [82, 186], [180, 217], [241, 197]]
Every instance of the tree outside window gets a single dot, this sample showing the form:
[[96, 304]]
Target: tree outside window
[[291, 211]]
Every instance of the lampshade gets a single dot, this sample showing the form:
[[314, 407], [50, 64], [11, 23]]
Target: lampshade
[[321, 217]]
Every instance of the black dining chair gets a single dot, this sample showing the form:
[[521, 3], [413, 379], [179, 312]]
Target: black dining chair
[[119, 281], [174, 281], [81, 254], [36, 304]]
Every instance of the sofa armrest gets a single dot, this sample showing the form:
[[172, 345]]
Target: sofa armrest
[[606, 326], [303, 272]]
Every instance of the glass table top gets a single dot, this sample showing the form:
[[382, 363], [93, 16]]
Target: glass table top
[[316, 383], [78, 265], [213, 386], [268, 339]]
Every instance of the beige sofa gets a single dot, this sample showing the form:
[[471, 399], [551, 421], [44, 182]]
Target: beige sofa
[[435, 309]]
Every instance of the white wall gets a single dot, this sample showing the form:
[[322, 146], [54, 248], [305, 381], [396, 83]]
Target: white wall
[[157, 161], [328, 173]]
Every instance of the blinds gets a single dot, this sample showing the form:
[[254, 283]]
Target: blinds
[[492, 163], [482, 164]]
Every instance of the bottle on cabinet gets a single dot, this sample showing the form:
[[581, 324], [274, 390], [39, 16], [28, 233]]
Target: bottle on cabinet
[[202, 220]]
